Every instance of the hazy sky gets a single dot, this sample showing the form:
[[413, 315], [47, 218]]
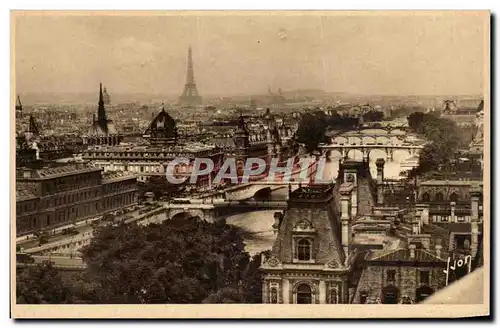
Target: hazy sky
[[383, 54]]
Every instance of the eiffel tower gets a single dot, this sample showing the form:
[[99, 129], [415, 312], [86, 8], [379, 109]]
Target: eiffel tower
[[190, 94]]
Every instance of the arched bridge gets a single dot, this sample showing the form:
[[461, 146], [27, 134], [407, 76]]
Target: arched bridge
[[365, 149], [219, 210]]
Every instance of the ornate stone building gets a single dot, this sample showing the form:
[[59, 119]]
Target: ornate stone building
[[53, 196], [400, 275], [311, 258], [151, 158]]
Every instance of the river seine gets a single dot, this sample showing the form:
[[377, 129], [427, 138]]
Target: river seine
[[258, 224]]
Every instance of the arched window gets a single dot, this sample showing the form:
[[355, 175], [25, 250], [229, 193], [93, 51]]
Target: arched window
[[425, 197], [304, 294], [390, 295], [333, 296], [439, 197], [423, 292], [274, 296], [304, 250], [453, 197], [466, 244], [363, 297]]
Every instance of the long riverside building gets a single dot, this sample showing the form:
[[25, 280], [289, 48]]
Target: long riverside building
[[50, 197]]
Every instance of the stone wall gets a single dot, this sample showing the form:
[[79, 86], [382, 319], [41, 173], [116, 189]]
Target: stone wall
[[407, 280]]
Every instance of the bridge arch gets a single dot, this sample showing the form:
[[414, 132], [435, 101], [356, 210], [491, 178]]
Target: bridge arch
[[383, 140], [353, 140], [334, 154], [182, 215], [369, 140], [354, 153], [401, 154], [262, 193], [375, 153], [339, 140], [396, 140]]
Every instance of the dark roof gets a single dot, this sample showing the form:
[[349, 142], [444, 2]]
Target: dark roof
[[163, 122], [403, 255]]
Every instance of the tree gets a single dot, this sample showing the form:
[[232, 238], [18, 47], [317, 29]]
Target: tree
[[177, 261], [225, 295], [160, 186], [311, 132], [373, 116], [415, 121], [41, 284]]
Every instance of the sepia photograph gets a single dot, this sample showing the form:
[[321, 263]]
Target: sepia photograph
[[250, 164]]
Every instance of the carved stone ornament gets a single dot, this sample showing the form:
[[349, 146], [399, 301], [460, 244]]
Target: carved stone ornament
[[273, 261], [304, 225], [333, 264]]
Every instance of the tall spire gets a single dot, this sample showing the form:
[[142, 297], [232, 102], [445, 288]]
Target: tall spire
[[33, 128], [19, 106], [101, 111], [190, 94]]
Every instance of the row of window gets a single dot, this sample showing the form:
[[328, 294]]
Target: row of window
[[303, 295], [391, 295], [67, 183], [33, 222], [446, 218], [423, 276], [181, 168]]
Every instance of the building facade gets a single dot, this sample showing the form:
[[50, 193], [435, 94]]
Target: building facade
[[152, 157], [400, 276], [55, 196], [311, 258]]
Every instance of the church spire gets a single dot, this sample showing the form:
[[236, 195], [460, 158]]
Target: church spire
[[101, 111], [19, 106], [33, 128]]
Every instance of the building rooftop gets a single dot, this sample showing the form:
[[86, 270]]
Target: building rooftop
[[188, 147], [55, 172], [111, 176], [403, 255], [451, 183], [25, 191], [318, 192]]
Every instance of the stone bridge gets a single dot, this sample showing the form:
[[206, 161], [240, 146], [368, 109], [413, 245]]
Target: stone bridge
[[365, 149], [265, 185], [218, 211]]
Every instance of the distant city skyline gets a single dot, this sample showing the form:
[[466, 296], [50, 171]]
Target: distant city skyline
[[385, 54]]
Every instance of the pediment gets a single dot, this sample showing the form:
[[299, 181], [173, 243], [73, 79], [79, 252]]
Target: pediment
[[304, 225]]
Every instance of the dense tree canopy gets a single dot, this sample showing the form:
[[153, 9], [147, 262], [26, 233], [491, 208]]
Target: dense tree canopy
[[313, 127], [160, 187], [373, 116], [41, 284], [445, 140], [311, 131], [178, 261]]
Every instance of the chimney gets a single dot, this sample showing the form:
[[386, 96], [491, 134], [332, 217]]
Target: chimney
[[452, 204], [345, 218], [412, 248], [26, 173], [277, 221], [425, 214], [475, 194], [416, 227], [380, 180], [438, 250]]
